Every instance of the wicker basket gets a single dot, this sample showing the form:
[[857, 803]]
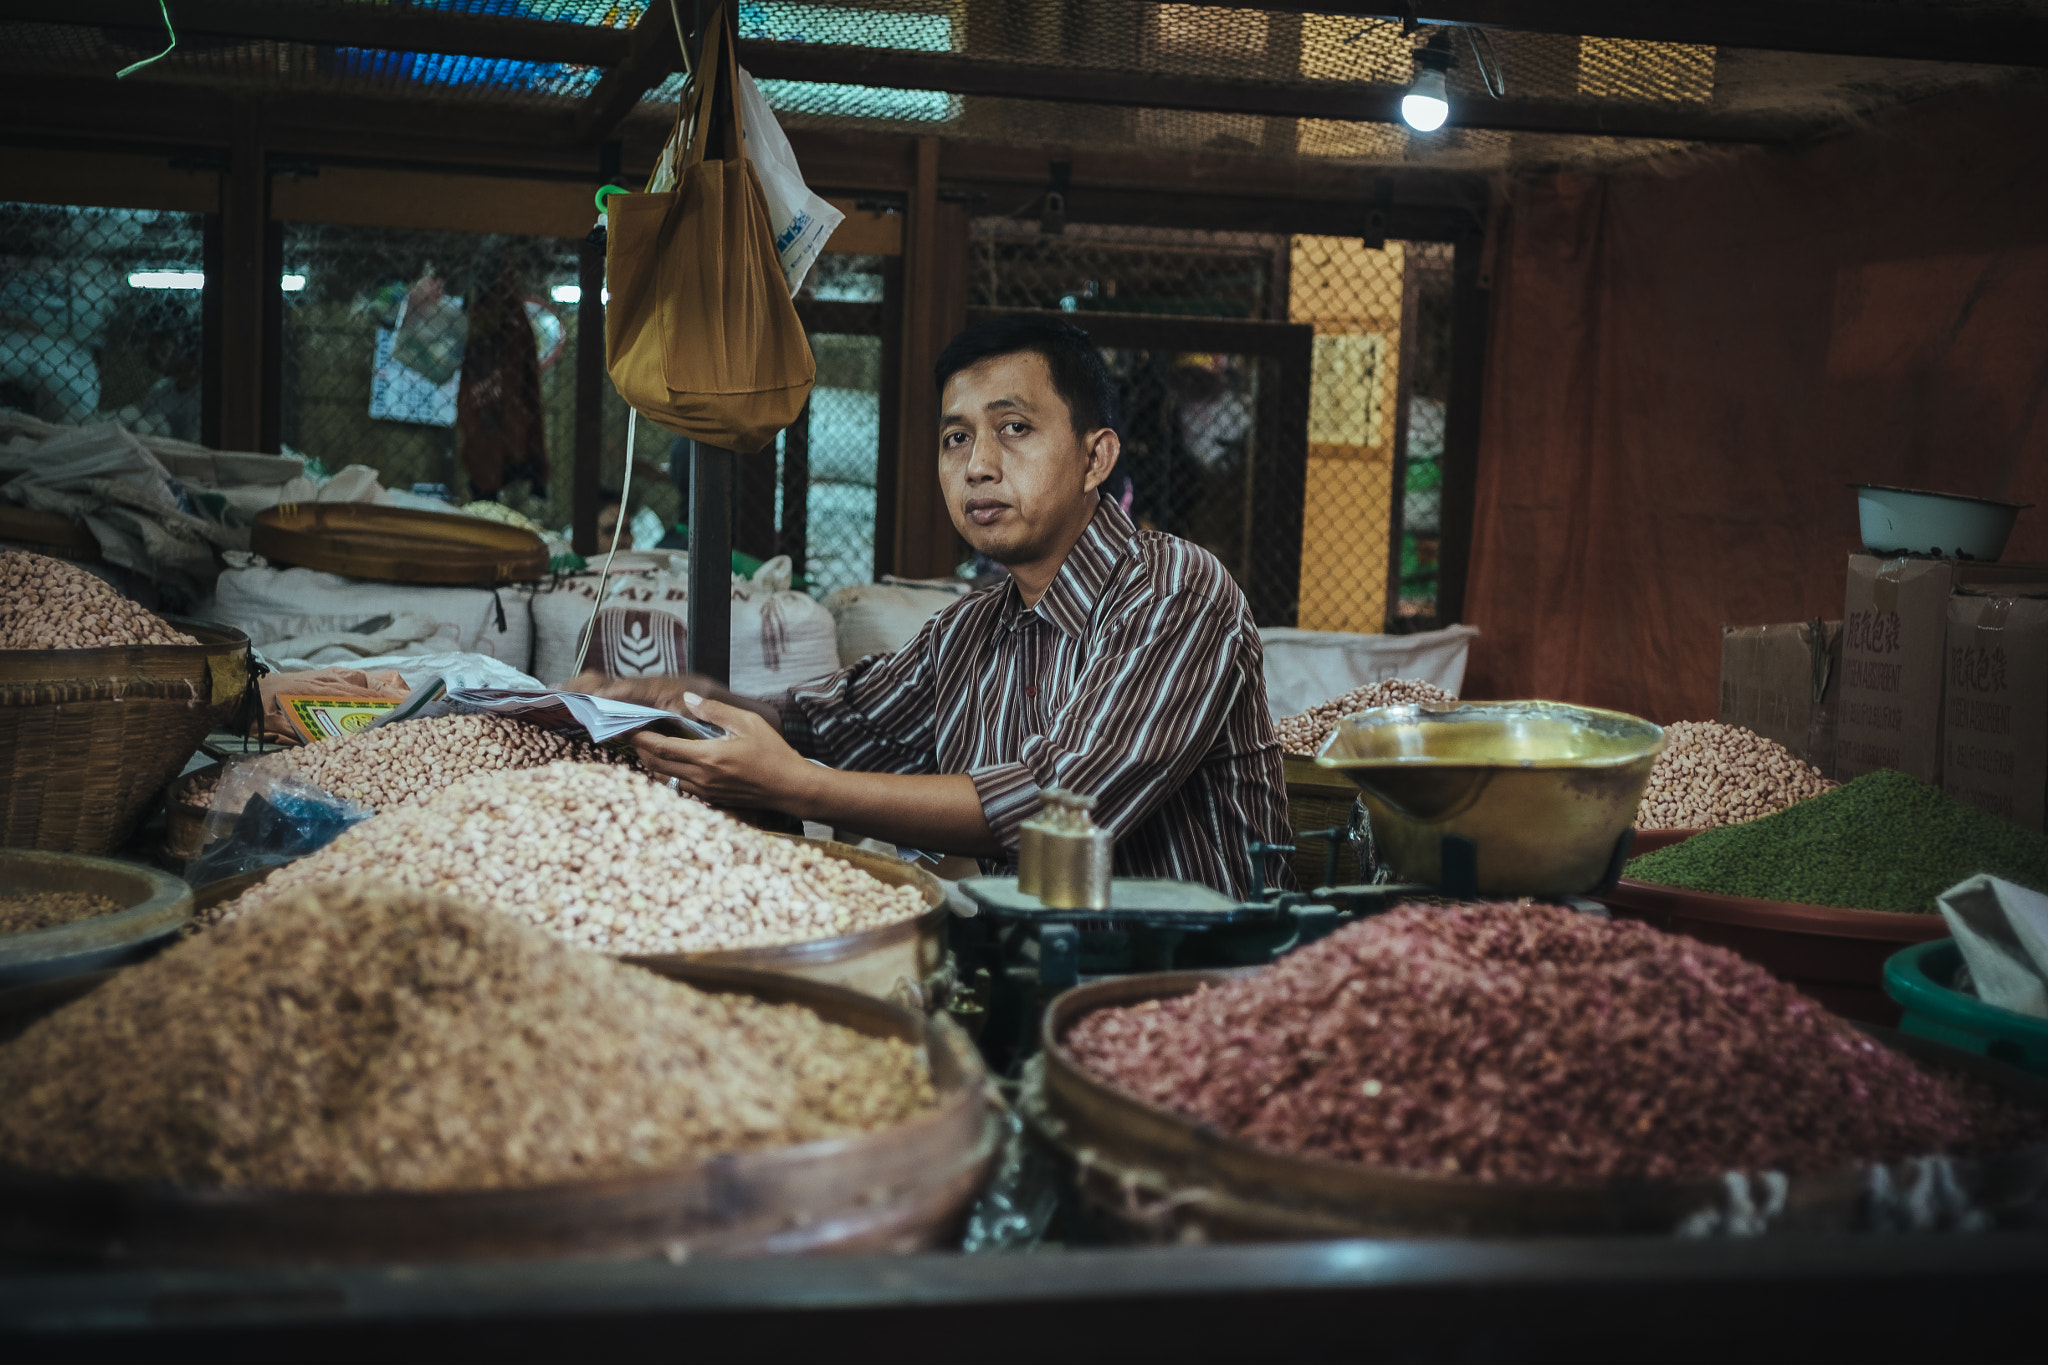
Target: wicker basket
[[89, 736]]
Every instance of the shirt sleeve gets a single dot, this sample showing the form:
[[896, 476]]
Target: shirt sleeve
[[1150, 704], [880, 716]]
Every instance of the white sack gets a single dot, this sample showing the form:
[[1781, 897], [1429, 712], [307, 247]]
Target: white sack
[[272, 605], [1305, 668], [780, 639], [881, 618]]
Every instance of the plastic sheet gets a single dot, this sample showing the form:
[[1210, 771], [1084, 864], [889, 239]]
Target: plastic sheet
[[265, 816]]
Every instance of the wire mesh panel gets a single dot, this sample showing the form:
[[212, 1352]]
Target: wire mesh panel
[[1266, 413], [828, 470], [1212, 377], [446, 360], [101, 316]]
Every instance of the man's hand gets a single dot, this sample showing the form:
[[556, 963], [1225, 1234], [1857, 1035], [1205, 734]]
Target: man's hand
[[669, 693], [752, 766]]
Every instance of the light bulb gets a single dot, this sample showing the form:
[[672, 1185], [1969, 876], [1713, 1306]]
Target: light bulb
[[1427, 103]]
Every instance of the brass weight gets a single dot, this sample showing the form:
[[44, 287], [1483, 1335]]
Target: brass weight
[[1063, 857]]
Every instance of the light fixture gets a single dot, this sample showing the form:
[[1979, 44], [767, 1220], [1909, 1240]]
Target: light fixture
[[1428, 101], [167, 279], [566, 293], [196, 279]]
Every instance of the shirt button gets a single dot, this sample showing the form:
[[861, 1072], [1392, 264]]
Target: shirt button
[[1030, 689]]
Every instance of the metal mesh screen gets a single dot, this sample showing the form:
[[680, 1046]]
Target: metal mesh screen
[[390, 324], [1283, 399], [1212, 378], [100, 316], [828, 465]]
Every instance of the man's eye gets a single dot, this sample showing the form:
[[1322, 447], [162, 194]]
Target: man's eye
[[1015, 428]]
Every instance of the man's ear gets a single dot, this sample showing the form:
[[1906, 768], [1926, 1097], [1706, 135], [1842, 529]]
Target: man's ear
[[1103, 451]]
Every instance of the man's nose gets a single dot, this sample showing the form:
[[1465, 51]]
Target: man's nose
[[984, 460]]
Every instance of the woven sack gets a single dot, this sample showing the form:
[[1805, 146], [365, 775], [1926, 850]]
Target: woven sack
[[89, 736], [700, 333]]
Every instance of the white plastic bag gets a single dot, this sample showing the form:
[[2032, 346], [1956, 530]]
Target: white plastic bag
[[803, 221]]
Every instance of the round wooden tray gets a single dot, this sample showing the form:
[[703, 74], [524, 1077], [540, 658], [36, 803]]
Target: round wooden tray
[[47, 533], [895, 961], [895, 1190], [1149, 1173], [157, 906], [398, 545], [1836, 956]]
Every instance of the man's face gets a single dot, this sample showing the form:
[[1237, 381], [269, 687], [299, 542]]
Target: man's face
[[1018, 481], [607, 523]]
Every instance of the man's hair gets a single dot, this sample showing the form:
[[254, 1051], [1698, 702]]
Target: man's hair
[[1078, 375]]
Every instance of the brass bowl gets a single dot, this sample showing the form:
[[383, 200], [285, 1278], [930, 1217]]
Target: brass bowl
[[1543, 790]]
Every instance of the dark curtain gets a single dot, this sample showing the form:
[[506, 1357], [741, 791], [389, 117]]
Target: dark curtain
[[1688, 362]]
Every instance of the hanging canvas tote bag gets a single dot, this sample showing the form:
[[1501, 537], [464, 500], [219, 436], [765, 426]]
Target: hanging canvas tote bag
[[700, 333]]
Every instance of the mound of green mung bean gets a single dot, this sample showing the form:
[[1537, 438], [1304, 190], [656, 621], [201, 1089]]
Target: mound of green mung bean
[[1884, 842]]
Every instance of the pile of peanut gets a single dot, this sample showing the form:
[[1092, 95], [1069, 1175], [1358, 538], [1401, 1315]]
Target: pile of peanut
[[48, 604], [412, 759], [363, 1038], [1712, 774], [22, 912], [602, 857], [1302, 735], [1530, 1043]]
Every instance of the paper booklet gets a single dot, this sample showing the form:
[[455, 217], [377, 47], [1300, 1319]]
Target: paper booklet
[[600, 718]]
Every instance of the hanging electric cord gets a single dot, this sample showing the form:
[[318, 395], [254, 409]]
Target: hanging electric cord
[[1496, 82], [133, 67], [618, 527]]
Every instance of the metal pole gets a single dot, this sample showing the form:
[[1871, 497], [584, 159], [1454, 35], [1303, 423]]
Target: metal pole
[[710, 642]]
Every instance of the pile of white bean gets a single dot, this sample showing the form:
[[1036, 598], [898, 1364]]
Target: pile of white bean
[[1712, 774], [1302, 735], [412, 759], [48, 604], [605, 858]]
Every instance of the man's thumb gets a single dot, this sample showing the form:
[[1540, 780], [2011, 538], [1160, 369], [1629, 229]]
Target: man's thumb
[[717, 712]]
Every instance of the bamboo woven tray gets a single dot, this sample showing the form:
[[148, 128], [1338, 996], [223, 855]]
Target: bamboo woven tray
[[398, 545]]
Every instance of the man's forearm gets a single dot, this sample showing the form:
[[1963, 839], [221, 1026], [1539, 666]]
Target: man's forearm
[[940, 813]]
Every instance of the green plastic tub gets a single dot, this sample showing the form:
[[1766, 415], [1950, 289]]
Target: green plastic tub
[[1919, 980]]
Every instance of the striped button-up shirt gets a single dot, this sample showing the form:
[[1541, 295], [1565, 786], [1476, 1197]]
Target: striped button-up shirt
[[1137, 678]]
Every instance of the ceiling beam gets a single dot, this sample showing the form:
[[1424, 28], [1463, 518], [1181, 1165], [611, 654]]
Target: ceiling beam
[[382, 27], [651, 54], [1997, 36], [1346, 101]]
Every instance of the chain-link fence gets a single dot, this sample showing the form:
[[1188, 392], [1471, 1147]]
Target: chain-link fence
[[101, 316], [446, 362]]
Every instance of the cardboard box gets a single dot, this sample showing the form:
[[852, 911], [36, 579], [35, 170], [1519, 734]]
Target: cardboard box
[[1785, 682], [1894, 639], [1995, 718]]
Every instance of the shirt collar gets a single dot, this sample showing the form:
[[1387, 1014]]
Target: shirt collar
[[1070, 598]]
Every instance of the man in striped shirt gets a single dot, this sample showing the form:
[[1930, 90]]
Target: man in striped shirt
[[1119, 663]]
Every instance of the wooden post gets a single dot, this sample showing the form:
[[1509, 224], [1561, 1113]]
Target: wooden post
[[1404, 390], [710, 615], [793, 537], [244, 214], [1461, 427], [934, 308]]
